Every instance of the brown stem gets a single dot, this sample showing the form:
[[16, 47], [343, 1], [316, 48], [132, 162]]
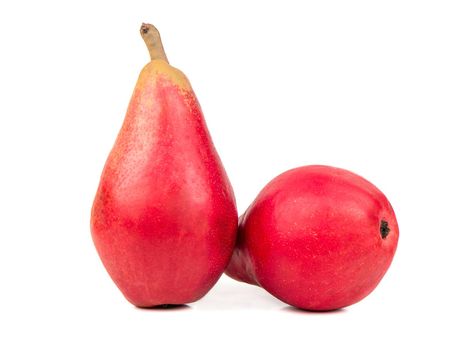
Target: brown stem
[[152, 39]]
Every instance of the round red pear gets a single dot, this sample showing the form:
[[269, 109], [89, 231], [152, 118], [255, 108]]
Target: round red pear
[[316, 237]]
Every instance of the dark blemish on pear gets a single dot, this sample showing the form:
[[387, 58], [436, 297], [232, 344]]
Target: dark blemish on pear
[[384, 229]]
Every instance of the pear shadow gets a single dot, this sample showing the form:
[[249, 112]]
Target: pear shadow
[[296, 310], [229, 294], [165, 308]]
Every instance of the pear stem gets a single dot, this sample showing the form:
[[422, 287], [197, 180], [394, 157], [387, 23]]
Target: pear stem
[[152, 39]]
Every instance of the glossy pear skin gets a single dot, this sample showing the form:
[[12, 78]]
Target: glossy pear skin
[[164, 218], [316, 237]]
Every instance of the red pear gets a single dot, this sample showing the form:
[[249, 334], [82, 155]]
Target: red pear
[[164, 219], [316, 237]]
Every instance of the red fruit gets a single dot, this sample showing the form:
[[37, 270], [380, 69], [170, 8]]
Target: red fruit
[[164, 219], [316, 237]]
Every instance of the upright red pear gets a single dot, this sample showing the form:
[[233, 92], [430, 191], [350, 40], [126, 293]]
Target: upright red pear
[[164, 218]]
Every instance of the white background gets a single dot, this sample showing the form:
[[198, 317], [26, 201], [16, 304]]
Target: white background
[[370, 86]]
